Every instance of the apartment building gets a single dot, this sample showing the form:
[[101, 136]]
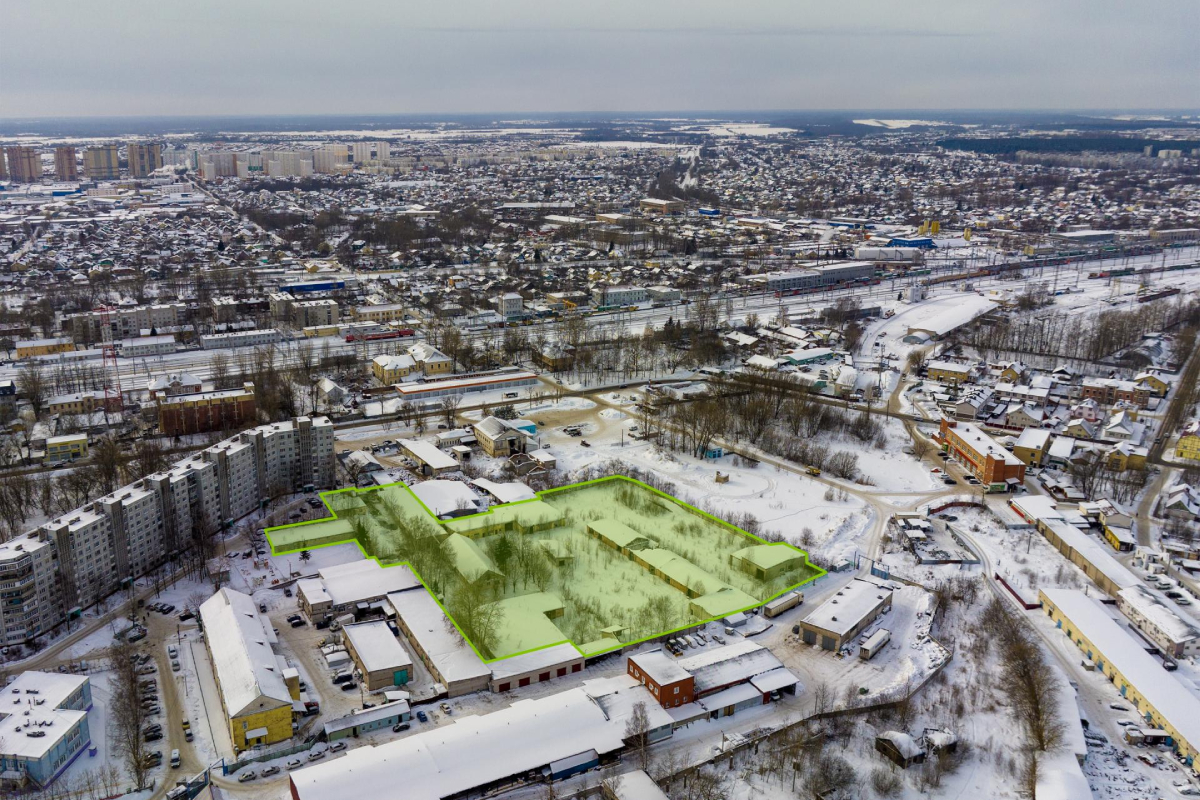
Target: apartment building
[[143, 158], [618, 295], [198, 412], [44, 347], [24, 164], [1110, 390], [102, 163], [386, 312], [66, 166], [75, 560], [124, 323]]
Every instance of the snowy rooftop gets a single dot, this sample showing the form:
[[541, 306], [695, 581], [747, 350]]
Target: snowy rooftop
[[469, 752], [983, 443], [1162, 690], [378, 650], [356, 581], [445, 497], [659, 667], [53, 687], [1155, 609], [637, 786], [721, 666], [450, 653], [545, 658], [843, 611], [15, 728], [428, 453], [240, 642], [511, 492]]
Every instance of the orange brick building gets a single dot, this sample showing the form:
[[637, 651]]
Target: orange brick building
[[986, 459], [671, 684], [200, 412]]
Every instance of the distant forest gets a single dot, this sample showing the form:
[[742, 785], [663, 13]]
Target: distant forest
[[1065, 144]]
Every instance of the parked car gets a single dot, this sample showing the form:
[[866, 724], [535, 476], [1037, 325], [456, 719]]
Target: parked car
[[293, 618], [269, 771], [294, 763], [175, 665], [299, 623], [337, 747], [400, 726], [316, 755], [186, 615], [422, 716], [349, 686], [248, 775], [446, 709], [153, 737]]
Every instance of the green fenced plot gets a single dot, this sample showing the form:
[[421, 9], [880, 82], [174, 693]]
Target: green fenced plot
[[599, 564]]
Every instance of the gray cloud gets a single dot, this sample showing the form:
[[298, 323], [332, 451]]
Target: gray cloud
[[147, 57]]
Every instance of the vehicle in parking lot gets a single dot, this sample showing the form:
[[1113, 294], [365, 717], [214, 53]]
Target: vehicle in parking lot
[[175, 759], [175, 665], [316, 755], [400, 726], [248, 775], [293, 618], [337, 747], [422, 716], [186, 615], [342, 677], [446, 709], [349, 686], [1118, 706], [269, 771], [294, 763]]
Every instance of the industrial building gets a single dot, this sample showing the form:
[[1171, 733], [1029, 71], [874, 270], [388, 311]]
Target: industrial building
[[1156, 695], [1162, 624], [439, 646], [43, 727], [75, 560], [377, 654], [253, 338], [360, 721], [536, 740], [354, 587], [254, 695], [506, 380], [841, 618]]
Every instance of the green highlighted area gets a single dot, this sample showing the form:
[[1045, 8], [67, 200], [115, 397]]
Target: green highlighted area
[[599, 564]]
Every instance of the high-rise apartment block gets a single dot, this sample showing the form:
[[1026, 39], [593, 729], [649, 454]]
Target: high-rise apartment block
[[143, 158], [78, 559], [66, 168], [102, 163], [24, 164]]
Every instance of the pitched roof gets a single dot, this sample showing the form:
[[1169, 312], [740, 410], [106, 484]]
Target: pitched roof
[[240, 640]]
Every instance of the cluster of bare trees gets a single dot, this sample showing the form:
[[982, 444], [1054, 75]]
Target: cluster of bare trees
[[1027, 684], [128, 716], [1080, 337]]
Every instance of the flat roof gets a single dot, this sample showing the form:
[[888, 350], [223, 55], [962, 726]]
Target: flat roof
[[732, 663], [470, 752], [1162, 689], [429, 453], [660, 667], [443, 644], [377, 648], [840, 613], [985, 444], [356, 581]]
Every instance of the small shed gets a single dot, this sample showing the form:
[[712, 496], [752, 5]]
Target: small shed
[[900, 748]]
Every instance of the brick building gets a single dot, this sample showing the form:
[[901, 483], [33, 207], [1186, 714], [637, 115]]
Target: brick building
[[982, 455], [206, 411]]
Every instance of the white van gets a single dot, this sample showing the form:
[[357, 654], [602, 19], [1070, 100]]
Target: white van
[[174, 759]]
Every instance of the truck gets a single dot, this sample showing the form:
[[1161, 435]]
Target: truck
[[874, 644], [812, 470], [782, 603]]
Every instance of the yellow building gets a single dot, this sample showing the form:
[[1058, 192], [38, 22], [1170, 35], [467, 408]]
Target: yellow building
[[255, 694], [1126, 457], [392, 312], [1188, 446], [948, 372], [44, 347], [430, 360], [70, 447], [389, 369], [143, 158], [78, 403], [1157, 386], [1156, 695]]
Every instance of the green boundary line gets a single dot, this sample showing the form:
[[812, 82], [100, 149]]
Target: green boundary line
[[818, 572]]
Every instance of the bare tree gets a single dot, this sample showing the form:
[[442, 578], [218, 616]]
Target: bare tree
[[637, 735], [128, 715]]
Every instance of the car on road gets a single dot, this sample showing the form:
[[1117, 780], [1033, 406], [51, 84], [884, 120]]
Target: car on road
[[445, 707], [349, 686], [294, 763], [175, 762], [269, 771], [287, 591], [316, 755], [337, 747], [422, 716], [248, 775], [175, 665], [186, 615], [189, 736], [186, 724], [949, 481]]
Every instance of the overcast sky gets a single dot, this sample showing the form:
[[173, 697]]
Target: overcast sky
[[175, 57]]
